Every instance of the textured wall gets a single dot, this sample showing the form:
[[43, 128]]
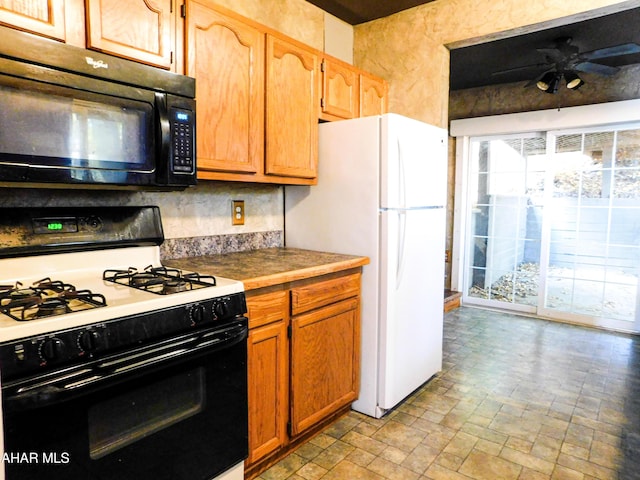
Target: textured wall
[[514, 98], [409, 49], [201, 211], [296, 18]]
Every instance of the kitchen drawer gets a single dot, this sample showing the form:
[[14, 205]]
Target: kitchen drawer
[[323, 293], [267, 308]]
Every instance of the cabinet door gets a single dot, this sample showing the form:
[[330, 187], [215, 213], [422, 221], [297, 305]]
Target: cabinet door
[[292, 110], [226, 57], [339, 90], [43, 17], [373, 96], [267, 374], [324, 362], [140, 30]]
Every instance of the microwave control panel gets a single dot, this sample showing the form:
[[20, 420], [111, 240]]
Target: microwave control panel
[[182, 137]]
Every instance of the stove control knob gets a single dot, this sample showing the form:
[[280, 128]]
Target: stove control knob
[[220, 309], [197, 314], [94, 223], [51, 349], [88, 340]]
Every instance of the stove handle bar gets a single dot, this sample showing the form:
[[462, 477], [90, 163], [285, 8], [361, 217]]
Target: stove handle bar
[[125, 367]]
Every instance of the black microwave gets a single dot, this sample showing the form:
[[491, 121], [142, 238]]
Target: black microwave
[[71, 117]]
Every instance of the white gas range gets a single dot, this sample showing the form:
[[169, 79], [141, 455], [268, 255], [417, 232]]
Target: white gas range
[[37, 292], [114, 360]]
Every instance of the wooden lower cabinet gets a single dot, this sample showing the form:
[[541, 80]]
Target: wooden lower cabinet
[[268, 372], [268, 359], [303, 361], [323, 362]]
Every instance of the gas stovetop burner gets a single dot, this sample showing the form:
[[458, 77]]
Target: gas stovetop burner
[[145, 280], [52, 306], [175, 286], [46, 298], [159, 280], [15, 293]]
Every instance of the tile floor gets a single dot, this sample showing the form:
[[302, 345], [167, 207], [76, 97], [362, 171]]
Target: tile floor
[[518, 398]]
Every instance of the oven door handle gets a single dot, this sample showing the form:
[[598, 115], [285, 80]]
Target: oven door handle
[[117, 369]]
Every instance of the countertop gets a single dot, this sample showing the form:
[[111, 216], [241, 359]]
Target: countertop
[[269, 266]]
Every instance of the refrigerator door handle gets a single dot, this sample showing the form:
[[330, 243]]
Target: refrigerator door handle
[[402, 227]]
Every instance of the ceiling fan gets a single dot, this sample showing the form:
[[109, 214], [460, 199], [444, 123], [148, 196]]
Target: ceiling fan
[[566, 60]]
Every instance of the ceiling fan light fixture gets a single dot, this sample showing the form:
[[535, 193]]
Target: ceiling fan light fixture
[[574, 82], [549, 82], [545, 81]]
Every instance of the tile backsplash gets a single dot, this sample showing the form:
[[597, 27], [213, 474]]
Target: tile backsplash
[[196, 221]]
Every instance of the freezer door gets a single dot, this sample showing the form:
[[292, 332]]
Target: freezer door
[[413, 163], [412, 283], [340, 213]]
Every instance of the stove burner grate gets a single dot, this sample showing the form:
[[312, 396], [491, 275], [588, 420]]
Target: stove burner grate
[[46, 298], [159, 280]]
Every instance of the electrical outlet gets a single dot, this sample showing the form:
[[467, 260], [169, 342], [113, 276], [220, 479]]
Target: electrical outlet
[[238, 212]]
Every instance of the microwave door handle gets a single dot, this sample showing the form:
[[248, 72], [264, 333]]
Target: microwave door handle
[[52, 394], [164, 133]]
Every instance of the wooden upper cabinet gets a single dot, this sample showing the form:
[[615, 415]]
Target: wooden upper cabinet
[[340, 95], [373, 95], [226, 57], [58, 19], [141, 30], [292, 109]]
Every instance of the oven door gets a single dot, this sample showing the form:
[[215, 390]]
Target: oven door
[[173, 410]]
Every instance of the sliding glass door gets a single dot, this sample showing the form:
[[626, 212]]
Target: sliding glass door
[[592, 228], [554, 225], [506, 190]]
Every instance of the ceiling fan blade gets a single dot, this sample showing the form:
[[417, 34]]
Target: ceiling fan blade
[[531, 82], [597, 68], [536, 66], [624, 49], [553, 54]]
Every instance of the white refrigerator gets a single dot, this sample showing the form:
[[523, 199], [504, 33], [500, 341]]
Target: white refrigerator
[[381, 192]]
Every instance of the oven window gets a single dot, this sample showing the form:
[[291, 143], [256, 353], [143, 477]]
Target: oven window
[[132, 416]]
